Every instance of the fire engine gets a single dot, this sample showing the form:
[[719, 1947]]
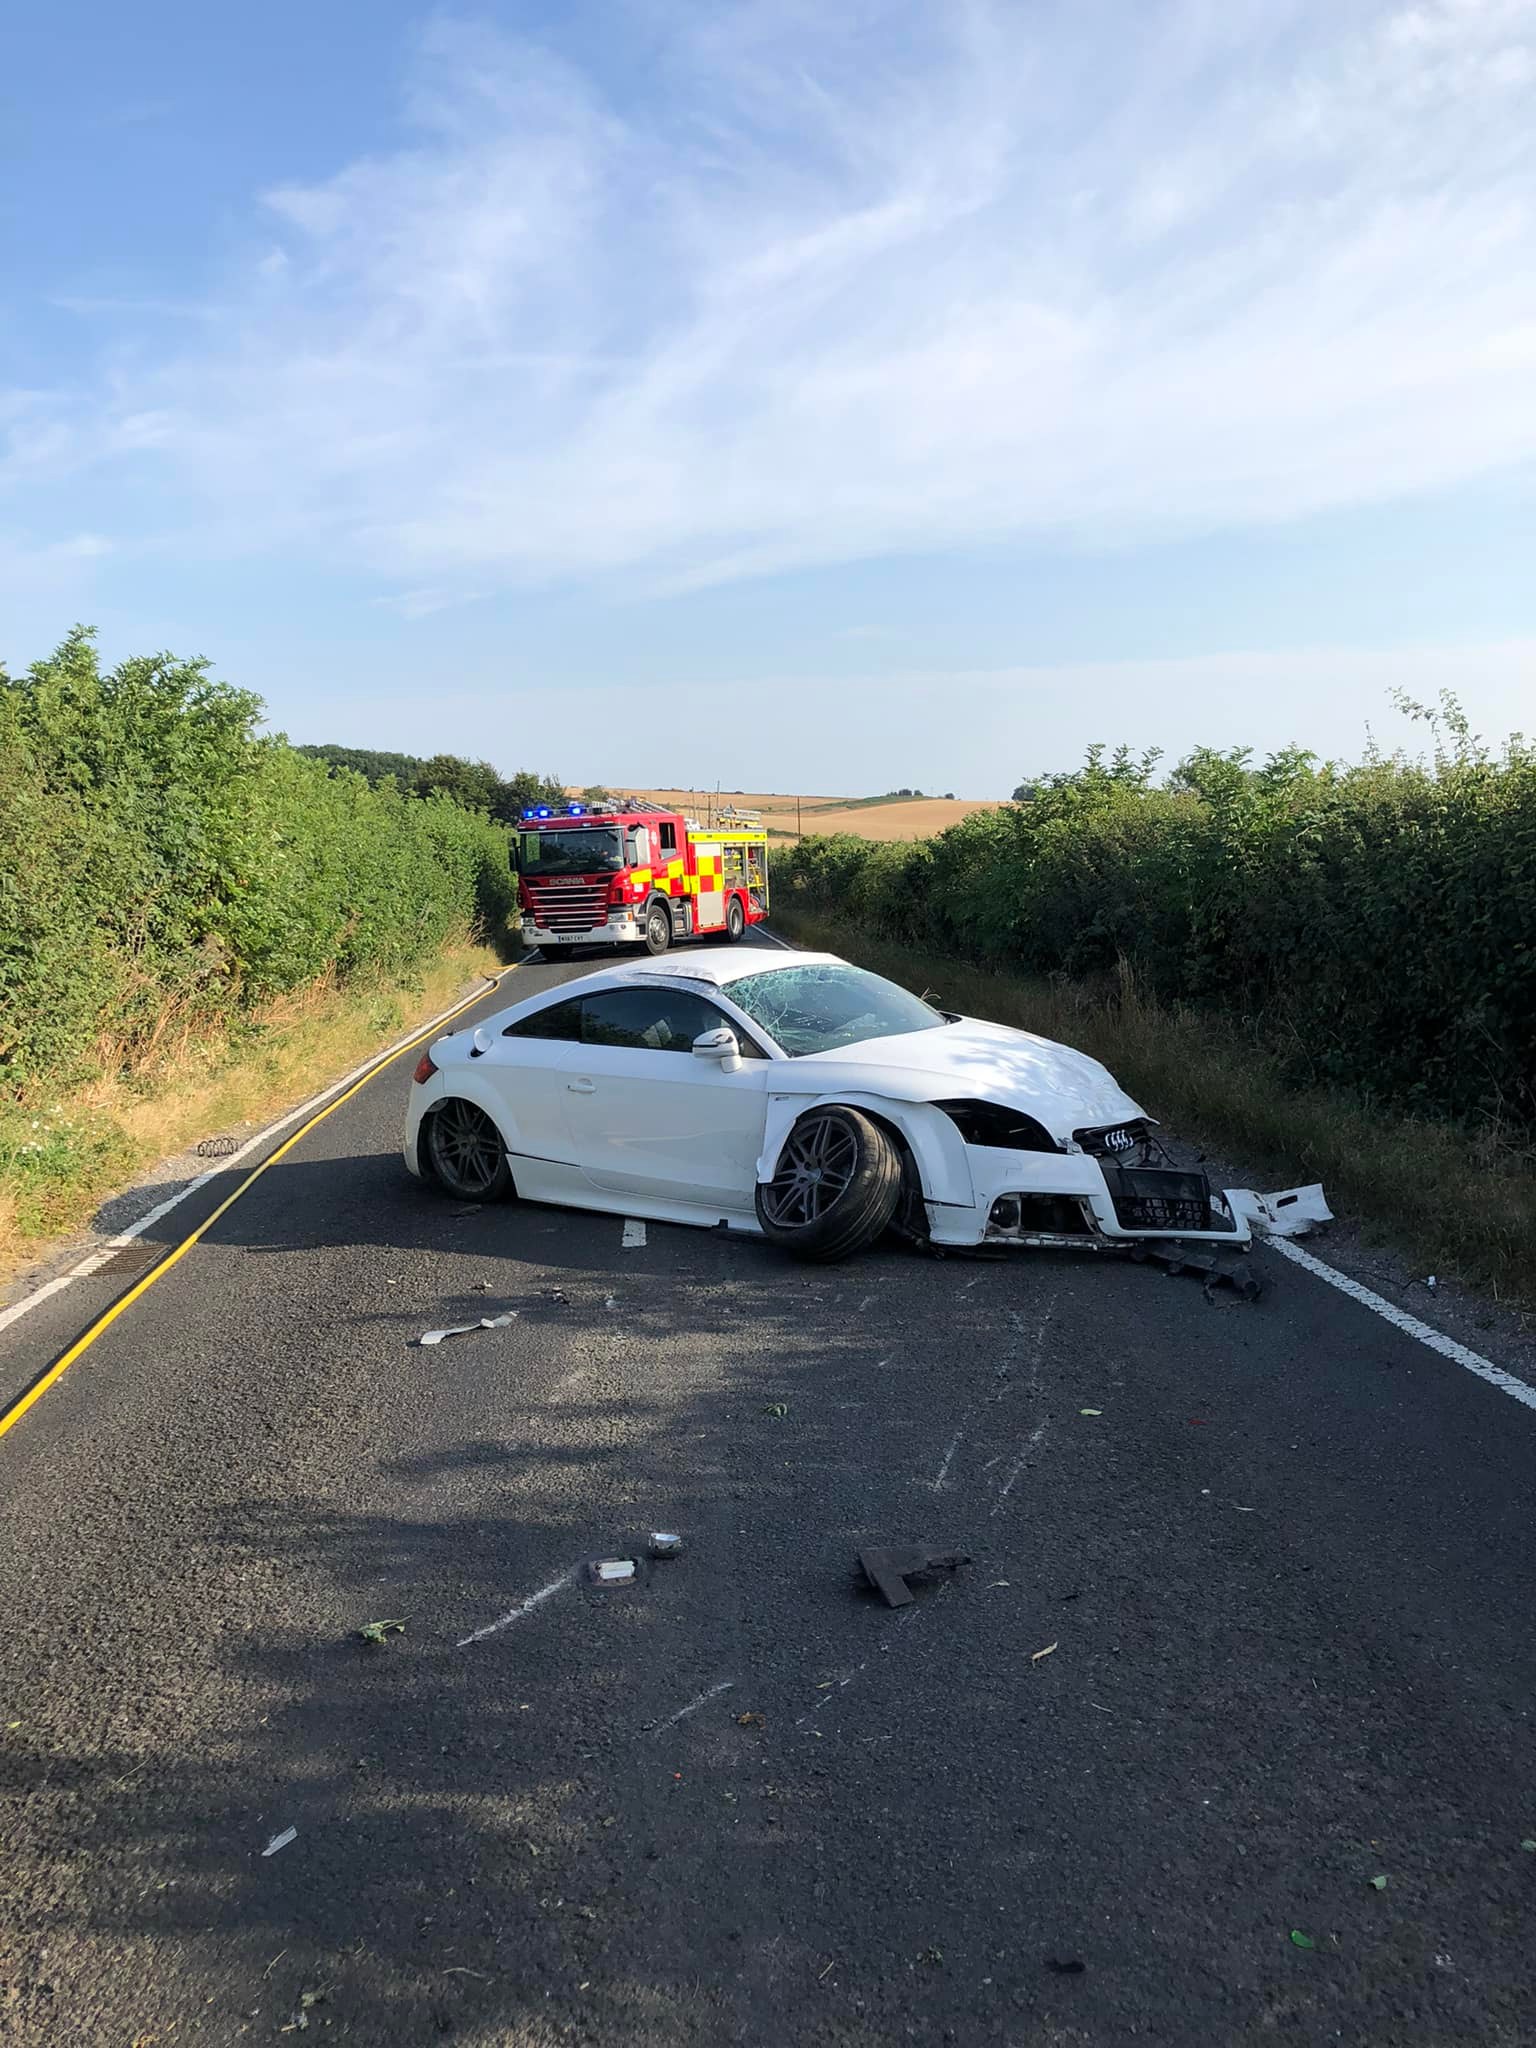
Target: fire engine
[[635, 874]]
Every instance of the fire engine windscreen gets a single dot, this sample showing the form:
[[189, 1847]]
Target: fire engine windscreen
[[585, 850]]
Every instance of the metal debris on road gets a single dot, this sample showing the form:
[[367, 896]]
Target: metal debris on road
[[1049, 1649], [280, 1841], [664, 1543], [889, 1568], [217, 1148], [779, 1408], [1244, 1282], [378, 1632], [430, 1337]]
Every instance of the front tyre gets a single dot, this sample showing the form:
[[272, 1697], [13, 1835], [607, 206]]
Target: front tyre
[[658, 926], [465, 1153], [835, 1188]]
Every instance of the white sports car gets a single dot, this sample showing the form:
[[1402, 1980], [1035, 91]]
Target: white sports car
[[797, 1096]]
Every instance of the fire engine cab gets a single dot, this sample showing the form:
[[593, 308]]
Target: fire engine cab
[[635, 874]]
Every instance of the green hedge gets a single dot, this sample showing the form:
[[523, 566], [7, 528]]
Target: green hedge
[[160, 859], [1376, 921]]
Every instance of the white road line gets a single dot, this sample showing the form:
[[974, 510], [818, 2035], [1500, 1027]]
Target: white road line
[[1036, 1439], [633, 1237], [516, 1613], [954, 1445], [1400, 1319], [773, 939], [693, 1706], [113, 1245]]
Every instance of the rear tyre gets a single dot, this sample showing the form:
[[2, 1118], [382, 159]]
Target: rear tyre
[[658, 926], [835, 1189], [735, 920], [465, 1153]]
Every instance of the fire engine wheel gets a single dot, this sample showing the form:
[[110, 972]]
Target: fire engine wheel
[[466, 1154], [735, 920], [658, 926], [836, 1187]]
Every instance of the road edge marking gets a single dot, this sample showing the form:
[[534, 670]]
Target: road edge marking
[[1436, 1340], [349, 1085]]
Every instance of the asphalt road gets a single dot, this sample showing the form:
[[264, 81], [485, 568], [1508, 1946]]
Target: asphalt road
[[1284, 1576]]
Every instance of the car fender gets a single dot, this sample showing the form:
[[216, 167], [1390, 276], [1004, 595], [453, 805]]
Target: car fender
[[467, 1085], [935, 1143]]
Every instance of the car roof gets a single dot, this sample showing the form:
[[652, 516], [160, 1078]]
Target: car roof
[[711, 966]]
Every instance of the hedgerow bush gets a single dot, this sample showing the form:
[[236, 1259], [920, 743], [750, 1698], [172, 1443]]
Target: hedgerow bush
[[163, 862], [1376, 921]]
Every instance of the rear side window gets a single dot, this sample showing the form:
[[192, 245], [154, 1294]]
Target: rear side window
[[555, 1020]]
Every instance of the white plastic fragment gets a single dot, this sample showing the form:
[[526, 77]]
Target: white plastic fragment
[[633, 1237], [280, 1841], [614, 1571], [1290, 1213], [428, 1337]]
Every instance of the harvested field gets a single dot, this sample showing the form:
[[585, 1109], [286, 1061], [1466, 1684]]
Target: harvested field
[[790, 815]]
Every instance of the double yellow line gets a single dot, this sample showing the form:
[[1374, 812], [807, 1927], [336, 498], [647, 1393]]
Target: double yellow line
[[52, 1374]]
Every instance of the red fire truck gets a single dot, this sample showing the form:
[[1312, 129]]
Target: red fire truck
[[634, 874]]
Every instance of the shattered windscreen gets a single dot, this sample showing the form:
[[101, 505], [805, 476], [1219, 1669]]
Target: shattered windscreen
[[816, 1009]]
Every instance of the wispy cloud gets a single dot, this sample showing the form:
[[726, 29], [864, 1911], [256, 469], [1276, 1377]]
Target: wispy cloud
[[871, 279]]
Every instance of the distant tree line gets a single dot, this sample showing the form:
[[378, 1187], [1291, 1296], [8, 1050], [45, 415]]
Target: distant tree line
[[474, 784]]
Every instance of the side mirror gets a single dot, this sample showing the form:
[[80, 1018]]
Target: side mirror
[[483, 1042], [719, 1044]]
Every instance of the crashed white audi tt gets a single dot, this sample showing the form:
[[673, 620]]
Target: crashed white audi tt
[[798, 1096]]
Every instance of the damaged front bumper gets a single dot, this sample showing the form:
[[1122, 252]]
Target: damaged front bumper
[[1077, 1201]]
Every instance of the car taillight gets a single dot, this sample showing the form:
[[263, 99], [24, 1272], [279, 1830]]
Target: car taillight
[[425, 1069]]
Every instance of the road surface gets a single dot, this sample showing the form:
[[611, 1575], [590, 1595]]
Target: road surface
[[1251, 1632]]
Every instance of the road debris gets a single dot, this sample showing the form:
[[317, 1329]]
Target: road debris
[[217, 1148], [481, 1287], [1049, 1650], [665, 1543], [752, 1719], [467, 1209], [612, 1571], [779, 1408], [1300, 1940], [1432, 1283], [1239, 1275], [1070, 1966], [633, 1237], [1529, 1844], [612, 1304], [430, 1337], [1290, 1213], [1090, 1411], [1377, 1884], [280, 1841], [557, 1296], [889, 1568], [377, 1633]]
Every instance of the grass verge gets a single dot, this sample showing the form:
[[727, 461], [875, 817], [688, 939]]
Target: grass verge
[[63, 1152], [1463, 1202]]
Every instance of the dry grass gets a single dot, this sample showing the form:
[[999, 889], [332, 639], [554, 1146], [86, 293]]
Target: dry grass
[[866, 817], [62, 1154], [1464, 1203]]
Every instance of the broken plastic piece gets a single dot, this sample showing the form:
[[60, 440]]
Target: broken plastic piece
[[1069, 1968], [280, 1841], [665, 1544], [428, 1337], [888, 1570], [611, 1571], [1290, 1213], [1175, 1259]]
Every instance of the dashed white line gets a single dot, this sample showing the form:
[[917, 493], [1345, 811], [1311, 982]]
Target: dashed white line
[[516, 1613], [1400, 1319]]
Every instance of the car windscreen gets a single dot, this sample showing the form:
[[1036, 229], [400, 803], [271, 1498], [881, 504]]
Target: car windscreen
[[589, 851], [817, 1008]]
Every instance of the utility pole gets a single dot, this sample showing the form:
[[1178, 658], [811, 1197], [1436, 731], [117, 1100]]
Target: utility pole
[[798, 831]]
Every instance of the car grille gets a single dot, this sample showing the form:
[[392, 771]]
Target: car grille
[[578, 907], [1155, 1198], [1115, 1141]]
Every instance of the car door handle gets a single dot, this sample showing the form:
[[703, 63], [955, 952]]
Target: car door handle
[[582, 1087]]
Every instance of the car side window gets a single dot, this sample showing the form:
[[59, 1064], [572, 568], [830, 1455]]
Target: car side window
[[555, 1020], [655, 1020]]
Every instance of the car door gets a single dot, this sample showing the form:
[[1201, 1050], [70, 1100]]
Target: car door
[[647, 1116], [524, 1067]]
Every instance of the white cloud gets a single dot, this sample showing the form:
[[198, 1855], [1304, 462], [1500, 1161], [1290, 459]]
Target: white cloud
[[870, 279]]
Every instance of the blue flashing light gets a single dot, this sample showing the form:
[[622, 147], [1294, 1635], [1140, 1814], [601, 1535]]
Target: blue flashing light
[[527, 811], [576, 810], [543, 811]]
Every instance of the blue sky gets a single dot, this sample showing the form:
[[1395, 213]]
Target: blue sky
[[789, 395]]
